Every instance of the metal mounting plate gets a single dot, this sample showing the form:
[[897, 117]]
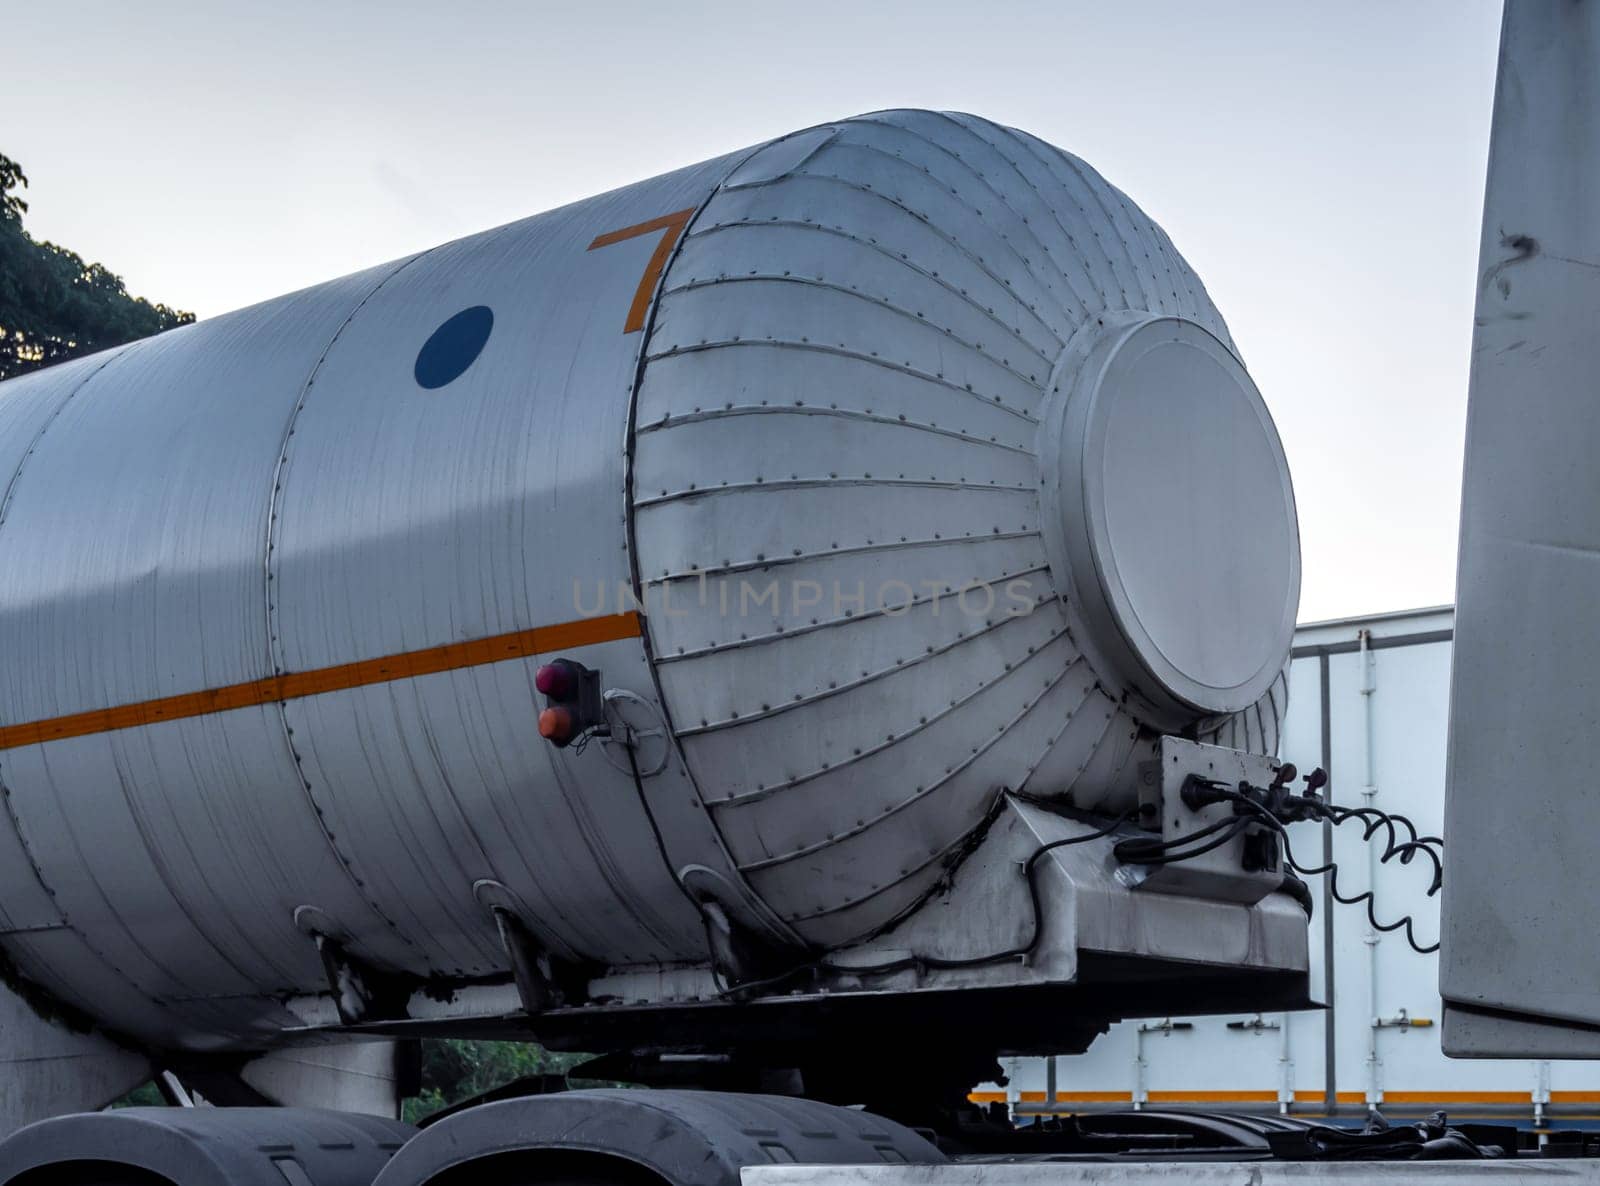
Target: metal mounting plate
[[1218, 874]]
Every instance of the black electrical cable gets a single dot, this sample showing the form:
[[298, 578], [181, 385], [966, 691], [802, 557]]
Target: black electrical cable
[[655, 828], [1382, 818], [1131, 849], [1028, 948], [1152, 850], [942, 963], [1138, 851], [1375, 819], [661, 847], [1332, 867]]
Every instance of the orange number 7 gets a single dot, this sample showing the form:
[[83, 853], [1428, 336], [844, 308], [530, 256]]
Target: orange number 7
[[671, 226]]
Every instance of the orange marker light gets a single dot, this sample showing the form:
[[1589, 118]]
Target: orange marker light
[[555, 724]]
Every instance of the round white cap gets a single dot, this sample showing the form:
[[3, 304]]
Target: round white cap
[[1177, 516]]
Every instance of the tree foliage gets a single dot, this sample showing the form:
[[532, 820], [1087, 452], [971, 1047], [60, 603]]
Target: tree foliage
[[12, 207], [146, 1095], [455, 1069], [54, 305]]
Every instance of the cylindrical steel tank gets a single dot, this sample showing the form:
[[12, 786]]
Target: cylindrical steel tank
[[925, 455]]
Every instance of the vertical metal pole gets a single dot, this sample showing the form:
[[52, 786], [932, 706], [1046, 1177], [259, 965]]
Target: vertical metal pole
[[1369, 795], [1541, 1097], [1285, 1066], [1330, 1094], [1050, 1084], [1138, 1067]]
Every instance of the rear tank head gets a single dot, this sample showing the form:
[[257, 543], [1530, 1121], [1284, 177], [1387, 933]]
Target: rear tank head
[[947, 481], [1169, 516]]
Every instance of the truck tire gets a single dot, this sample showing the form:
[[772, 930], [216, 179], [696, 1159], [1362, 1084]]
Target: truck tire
[[645, 1138]]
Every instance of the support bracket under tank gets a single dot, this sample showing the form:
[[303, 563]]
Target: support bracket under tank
[[544, 981], [360, 991]]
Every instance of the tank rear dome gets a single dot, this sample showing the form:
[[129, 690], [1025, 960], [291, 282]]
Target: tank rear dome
[[946, 479]]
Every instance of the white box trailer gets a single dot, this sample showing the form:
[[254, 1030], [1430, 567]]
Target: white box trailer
[[1369, 700]]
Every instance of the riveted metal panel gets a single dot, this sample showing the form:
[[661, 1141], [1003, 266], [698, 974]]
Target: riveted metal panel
[[840, 456], [412, 516], [176, 874]]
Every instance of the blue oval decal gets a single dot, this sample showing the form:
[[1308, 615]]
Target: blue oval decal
[[453, 347]]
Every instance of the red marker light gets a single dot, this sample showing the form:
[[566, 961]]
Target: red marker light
[[554, 679], [555, 724], [574, 706]]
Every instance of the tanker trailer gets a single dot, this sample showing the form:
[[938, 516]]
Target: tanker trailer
[[732, 624]]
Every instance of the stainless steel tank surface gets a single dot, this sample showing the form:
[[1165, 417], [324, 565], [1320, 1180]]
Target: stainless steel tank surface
[[877, 469]]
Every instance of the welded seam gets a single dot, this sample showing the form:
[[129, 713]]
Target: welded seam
[[928, 225], [912, 871], [752, 900], [1073, 246], [924, 175], [839, 687], [899, 259], [1096, 191], [744, 798], [1003, 199], [1173, 267], [852, 292], [275, 650], [845, 352], [968, 839], [896, 609], [923, 792], [1089, 751], [1076, 241], [800, 408], [782, 484], [1010, 135], [1121, 763], [1088, 694], [5, 786], [939, 540]]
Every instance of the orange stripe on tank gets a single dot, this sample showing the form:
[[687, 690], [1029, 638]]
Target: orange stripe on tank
[[453, 656]]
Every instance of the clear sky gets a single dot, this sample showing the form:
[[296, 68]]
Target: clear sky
[[1321, 165]]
